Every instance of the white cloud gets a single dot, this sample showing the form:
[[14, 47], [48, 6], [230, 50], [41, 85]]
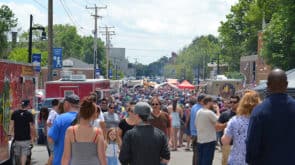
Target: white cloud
[[22, 11], [147, 29]]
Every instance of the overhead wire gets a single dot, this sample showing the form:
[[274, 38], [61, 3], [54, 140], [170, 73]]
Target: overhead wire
[[68, 12], [40, 4], [77, 2]]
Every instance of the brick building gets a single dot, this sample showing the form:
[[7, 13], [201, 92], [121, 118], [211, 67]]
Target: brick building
[[73, 65], [254, 67]]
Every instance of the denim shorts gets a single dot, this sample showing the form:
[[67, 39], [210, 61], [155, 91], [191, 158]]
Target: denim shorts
[[22, 147], [50, 147]]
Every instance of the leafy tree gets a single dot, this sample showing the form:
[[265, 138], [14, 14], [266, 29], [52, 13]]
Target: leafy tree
[[66, 37], [279, 38], [201, 51], [21, 54], [87, 50], [157, 68], [236, 34], [7, 21]]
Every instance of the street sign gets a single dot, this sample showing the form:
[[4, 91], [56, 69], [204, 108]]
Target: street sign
[[57, 58], [110, 73], [97, 72], [54, 73], [36, 60]]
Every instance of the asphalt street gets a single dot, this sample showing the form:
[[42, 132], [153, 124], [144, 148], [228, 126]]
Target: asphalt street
[[180, 157]]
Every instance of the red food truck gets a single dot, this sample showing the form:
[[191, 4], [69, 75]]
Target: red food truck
[[79, 85], [17, 82]]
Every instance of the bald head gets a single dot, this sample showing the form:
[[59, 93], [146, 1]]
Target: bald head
[[277, 81]]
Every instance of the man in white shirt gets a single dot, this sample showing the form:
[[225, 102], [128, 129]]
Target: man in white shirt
[[205, 123]]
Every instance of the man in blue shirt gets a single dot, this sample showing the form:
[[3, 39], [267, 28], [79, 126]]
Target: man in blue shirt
[[270, 139], [193, 128], [62, 122]]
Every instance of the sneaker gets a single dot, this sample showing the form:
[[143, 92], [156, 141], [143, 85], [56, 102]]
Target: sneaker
[[187, 149]]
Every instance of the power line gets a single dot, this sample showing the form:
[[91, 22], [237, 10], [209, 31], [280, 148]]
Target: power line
[[96, 16], [63, 5], [77, 2], [40, 4], [108, 33], [70, 16]]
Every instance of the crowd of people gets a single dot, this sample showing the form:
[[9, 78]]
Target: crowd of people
[[141, 126]]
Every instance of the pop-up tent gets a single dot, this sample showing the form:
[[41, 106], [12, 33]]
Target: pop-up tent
[[173, 81], [262, 88], [186, 85]]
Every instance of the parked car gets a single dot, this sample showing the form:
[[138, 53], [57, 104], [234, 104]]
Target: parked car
[[47, 102]]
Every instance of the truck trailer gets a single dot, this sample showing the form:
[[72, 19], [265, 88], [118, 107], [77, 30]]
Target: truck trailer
[[17, 82], [78, 85]]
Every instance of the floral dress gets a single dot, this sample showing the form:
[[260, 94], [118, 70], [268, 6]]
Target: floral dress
[[237, 129]]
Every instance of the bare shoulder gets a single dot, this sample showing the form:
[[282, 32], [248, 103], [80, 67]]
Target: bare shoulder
[[70, 130]]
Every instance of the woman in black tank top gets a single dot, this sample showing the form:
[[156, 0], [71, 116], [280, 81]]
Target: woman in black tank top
[[127, 123]]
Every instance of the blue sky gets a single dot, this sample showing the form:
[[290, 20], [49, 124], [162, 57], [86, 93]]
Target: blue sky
[[148, 29]]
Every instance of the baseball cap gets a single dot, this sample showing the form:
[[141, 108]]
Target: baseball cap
[[143, 109], [25, 102], [201, 97], [74, 99]]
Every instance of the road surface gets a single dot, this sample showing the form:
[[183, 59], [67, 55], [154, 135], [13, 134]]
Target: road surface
[[180, 157]]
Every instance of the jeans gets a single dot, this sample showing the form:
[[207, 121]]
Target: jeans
[[112, 160], [195, 150], [206, 153]]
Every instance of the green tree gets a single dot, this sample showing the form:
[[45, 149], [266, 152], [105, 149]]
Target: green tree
[[7, 21], [201, 51], [279, 38], [87, 50], [21, 54], [157, 68], [238, 34], [66, 37]]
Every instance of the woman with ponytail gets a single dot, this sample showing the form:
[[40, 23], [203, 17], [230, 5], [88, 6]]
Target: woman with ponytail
[[84, 144]]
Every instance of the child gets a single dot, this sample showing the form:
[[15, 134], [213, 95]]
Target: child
[[112, 147]]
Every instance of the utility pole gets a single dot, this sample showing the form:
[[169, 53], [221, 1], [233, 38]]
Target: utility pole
[[107, 32], [96, 16], [31, 28], [50, 39], [135, 68], [30, 39]]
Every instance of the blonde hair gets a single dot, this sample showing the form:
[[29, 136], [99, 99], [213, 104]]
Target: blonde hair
[[248, 102], [108, 136]]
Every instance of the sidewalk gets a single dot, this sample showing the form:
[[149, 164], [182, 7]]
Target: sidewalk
[[39, 155]]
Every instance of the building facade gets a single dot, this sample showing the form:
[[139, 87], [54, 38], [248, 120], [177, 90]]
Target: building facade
[[254, 69], [118, 61]]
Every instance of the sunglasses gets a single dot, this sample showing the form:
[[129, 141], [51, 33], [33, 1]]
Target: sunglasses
[[155, 104], [112, 107], [233, 102]]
